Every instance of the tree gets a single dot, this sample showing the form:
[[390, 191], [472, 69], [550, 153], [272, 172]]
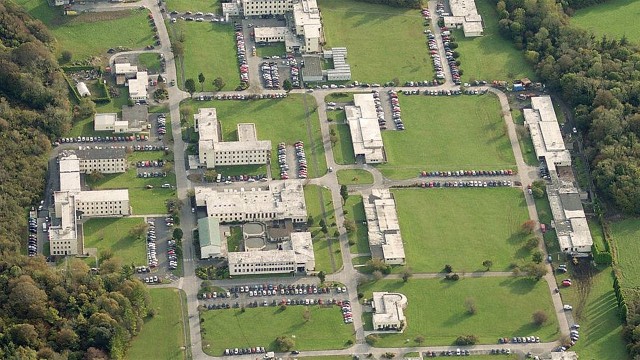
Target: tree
[[470, 306], [419, 339], [322, 276], [210, 175], [406, 274], [378, 264], [95, 176], [190, 86], [448, 269], [487, 264], [178, 48], [528, 226], [66, 56], [536, 271], [284, 343], [344, 192], [138, 230], [310, 220], [466, 340], [531, 243], [540, 317], [201, 80], [377, 275], [219, 83], [349, 225], [323, 226], [537, 256], [159, 79], [372, 339], [306, 314], [286, 85], [177, 234]]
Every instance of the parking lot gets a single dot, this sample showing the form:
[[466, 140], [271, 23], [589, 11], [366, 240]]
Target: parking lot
[[159, 235]]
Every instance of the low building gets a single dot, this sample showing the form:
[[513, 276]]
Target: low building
[[212, 151], [136, 117], [126, 69], [211, 246], [109, 122], [105, 160], [306, 17], [569, 219], [83, 90], [365, 131], [464, 14], [388, 311], [280, 200], [385, 240], [294, 256], [138, 87], [270, 34], [312, 69], [341, 70], [231, 9]]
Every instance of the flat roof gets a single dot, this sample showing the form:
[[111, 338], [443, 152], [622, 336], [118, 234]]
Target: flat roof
[[104, 195], [247, 132], [388, 307], [137, 88], [100, 152], [69, 162], [135, 116], [125, 68], [70, 181], [302, 246], [382, 224], [103, 119], [545, 132], [569, 217], [209, 236], [312, 66], [270, 32], [364, 127]]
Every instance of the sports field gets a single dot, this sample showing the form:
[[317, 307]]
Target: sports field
[[447, 133], [261, 326], [436, 309], [282, 120], [490, 57], [210, 49], [383, 42], [113, 234], [462, 228], [615, 18]]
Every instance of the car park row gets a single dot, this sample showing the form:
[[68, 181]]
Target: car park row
[[451, 57], [456, 352], [242, 56], [282, 161], [396, 112], [295, 74], [382, 122], [301, 159], [470, 183], [150, 163], [152, 258], [171, 254], [32, 248], [270, 75], [459, 173], [82, 139], [246, 97], [244, 351], [162, 124]]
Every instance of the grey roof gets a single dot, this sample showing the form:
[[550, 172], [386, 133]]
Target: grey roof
[[135, 115], [100, 152], [312, 66]]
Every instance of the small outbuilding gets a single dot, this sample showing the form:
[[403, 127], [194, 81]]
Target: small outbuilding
[[83, 90]]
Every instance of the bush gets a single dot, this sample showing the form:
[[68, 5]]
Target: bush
[[285, 343], [372, 339], [448, 269], [453, 277], [464, 340], [540, 317]]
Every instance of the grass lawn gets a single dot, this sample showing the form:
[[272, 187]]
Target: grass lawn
[[320, 243], [354, 177], [271, 50], [72, 32], [447, 133], [282, 120], [445, 317], [242, 170], [260, 326], [337, 116], [596, 310], [490, 57], [383, 42], [151, 62], [167, 324], [462, 227], [625, 235], [524, 139], [209, 48], [85, 127], [356, 213], [343, 148], [339, 97], [235, 240], [616, 18], [142, 200], [204, 6], [113, 234]]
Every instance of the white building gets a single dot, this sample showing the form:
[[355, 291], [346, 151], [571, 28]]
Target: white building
[[385, 240], [281, 200], [365, 131], [106, 160], [83, 90], [270, 34], [231, 9], [465, 14], [388, 311], [266, 7], [296, 256], [127, 70], [212, 151], [341, 70], [211, 245], [109, 122], [306, 17], [138, 87]]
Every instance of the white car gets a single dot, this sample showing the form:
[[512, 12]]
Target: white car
[[568, 307]]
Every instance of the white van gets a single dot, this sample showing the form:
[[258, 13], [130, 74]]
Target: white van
[[44, 227]]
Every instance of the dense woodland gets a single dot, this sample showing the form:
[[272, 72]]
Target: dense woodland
[[48, 312]]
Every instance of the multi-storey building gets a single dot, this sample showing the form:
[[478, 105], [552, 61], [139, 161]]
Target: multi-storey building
[[296, 255]]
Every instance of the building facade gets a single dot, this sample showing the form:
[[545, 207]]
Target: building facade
[[388, 311], [296, 256], [266, 7]]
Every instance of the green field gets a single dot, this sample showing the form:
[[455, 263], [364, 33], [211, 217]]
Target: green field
[[204, 6], [343, 148], [615, 18], [150, 61], [210, 49], [166, 325], [72, 32], [142, 200], [462, 227], [273, 49], [282, 120], [113, 234], [354, 177], [260, 326], [320, 244], [596, 310], [242, 170], [490, 57], [526, 144], [447, 133], [383, 43], [436, 309], [356, 213], [625, 235]]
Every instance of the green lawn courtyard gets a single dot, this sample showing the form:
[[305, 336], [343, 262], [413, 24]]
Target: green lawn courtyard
[[210, 49], [490, 57], [261, 326], [162, 336], [113, 234], [283, 120], [383, 43], [342, 147], [447, 133], [436, 309], [462, 227], [615, 18], [150, 61], [321, 249], [354, 177]]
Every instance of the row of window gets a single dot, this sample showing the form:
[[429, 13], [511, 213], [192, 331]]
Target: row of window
[[267, 269], [243, 265]]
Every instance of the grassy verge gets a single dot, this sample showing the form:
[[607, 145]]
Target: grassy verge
[[204, 6], [242, 170], [462, 227], [339, 97], [234, 241], [113, 234], [354, 177], [358, 238], [260, 326], [342, 148], [493, 298], [524, 139], [151, 62], [625, 234], [322, 252], [276, 49]]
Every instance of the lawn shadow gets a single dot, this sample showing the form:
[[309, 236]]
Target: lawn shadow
[[456, 318], [520, 286]]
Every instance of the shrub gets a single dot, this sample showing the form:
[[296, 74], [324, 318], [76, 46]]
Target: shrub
[[463, 340], [372, 339], [448, 269], [540, 317], [453, 277]]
